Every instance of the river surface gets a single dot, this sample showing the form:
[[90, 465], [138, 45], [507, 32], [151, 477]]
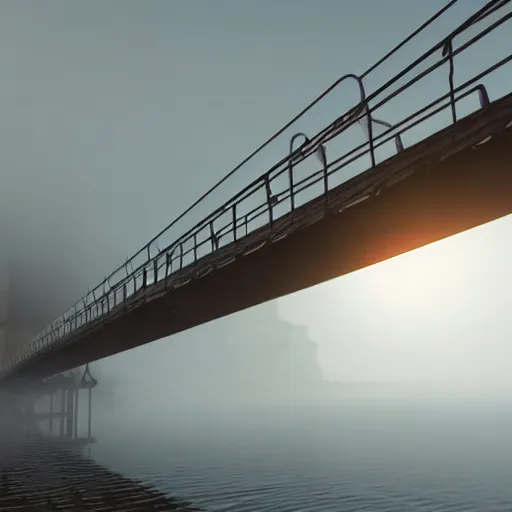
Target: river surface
[[339, 458]]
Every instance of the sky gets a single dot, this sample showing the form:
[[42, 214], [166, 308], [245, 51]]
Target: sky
[[117, 115]]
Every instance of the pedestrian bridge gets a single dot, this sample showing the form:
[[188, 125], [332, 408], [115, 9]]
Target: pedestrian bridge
[[290, 229]]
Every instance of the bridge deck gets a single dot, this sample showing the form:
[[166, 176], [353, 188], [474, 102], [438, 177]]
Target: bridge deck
[[447, 183]]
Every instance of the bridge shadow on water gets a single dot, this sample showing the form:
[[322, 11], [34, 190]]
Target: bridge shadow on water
[[51, 474], [45, 470]]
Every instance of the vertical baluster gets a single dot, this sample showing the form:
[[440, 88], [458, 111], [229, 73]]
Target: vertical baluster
[[270, 200], [168, 264], [448, 50], [212, 238], [233, 211]]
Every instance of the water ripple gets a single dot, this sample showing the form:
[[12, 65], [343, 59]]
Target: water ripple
[[337, 471]]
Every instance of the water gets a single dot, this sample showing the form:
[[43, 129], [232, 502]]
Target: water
[[351, 458]]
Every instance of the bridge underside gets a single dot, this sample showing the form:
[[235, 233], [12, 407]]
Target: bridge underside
[[452, 190]]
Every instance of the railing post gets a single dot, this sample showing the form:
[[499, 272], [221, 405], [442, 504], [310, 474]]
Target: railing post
[[483, 97], [270, 200], [398, 138], [95, 304], [370, 135], [356, 112], [322, 156], [448, 50], [171, 256], [370, 120], [233, 211], [212, 236], [290, 165], [168, 264]]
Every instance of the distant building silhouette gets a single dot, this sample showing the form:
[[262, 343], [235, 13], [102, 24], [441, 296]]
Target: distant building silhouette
[[252, 353]]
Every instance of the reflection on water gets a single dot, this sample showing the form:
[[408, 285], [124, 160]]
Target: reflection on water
[[350, 458]]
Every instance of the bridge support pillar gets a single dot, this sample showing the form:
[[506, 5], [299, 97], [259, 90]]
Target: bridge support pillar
[[55, 402], [52, 413], [62, 393], [70, 412]]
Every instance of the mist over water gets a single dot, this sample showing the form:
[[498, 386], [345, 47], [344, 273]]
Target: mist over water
[[351, 458], [216, 417]]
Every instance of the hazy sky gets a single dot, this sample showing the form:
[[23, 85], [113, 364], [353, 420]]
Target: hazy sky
[[117, 114]]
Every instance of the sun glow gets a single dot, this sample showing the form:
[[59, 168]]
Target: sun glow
[[422, 277], [438, 313]]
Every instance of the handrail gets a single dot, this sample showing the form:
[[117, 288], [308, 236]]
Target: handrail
[[343, 119], [103, 300]]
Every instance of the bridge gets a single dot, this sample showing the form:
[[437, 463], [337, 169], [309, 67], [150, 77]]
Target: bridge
[[303, 221]]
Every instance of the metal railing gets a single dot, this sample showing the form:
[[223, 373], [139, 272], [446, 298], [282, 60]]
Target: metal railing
[[259, 206]]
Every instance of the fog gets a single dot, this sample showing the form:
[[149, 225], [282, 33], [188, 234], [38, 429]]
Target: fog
[[388, 389], [116, 117]]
